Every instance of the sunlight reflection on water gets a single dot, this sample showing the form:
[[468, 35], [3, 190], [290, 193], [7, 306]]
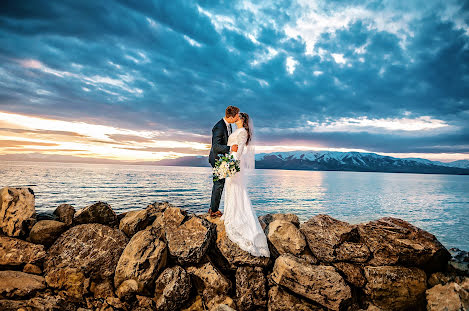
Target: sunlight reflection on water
[[437, 203]]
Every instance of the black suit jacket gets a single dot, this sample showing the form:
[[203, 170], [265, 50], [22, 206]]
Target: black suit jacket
[[219, 141]]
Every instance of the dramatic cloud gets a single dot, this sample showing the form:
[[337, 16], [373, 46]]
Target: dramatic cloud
[[150, 78]]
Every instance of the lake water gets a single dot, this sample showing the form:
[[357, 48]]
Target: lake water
[[436, 203]]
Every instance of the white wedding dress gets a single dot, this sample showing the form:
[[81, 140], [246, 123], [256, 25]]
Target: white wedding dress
[[241, 223]]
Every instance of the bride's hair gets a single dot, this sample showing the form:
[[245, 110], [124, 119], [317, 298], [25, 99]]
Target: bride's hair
[[245, 117]]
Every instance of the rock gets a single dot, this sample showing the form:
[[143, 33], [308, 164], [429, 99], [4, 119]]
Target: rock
[[45, 303], [16, 284], [127, 290], [281, 300], [17, 212], [84, 252], [142, 260], [444, 278], [459, 262], [352, 272], [157, 207], [251, 291], [195, 304], [229, 254], [103, 289], [45, 232], [99, 212], [144, 304], [15, 252], [395, 288], [396, 242], [322, 284], [324, 233], [33, 269], [173, 217], [449, 297], [210, 283], [188, 242], [222, 307], [355, 252], [286, 237], [172, 289], [265, 220], [65, 213], [134, 221]]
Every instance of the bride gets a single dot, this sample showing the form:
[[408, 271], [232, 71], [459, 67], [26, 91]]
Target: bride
[[241, 223]]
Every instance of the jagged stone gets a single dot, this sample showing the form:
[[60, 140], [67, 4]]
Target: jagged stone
[[265, 220], [16, 284], [99, 212], [251, 291], [396, 242], [33, 269], [352, 272], [65, 213], [395, 288], [172, 288], [355, 252], [448, 297], [142, 259], [173, 217], [322, 284], [45, 232], [324, 233], [281, 300], [17, 212], [127, 290], [444, 278], [228, 254], [103, 289], [210, 283], [188, 242], [134, 221], [285, 237], [16, 252], [82, 253], [45, 303]]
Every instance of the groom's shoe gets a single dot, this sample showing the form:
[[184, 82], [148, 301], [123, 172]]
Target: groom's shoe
[[215, 214]]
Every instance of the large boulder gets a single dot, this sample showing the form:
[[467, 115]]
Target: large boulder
[[322, 284], [45, 232], [286, 237], [84, 253], [251, 288], [449, 297], [189, 242], [265, 220], [99, 212], [16, 284], [16, 252], [354, 252], [65, 213], [324, 233], [142, 259], [228, 254], [210, 283], [395, 288], [135, 221], [173, 217], [172, 289], [396, 242], [42, 303], [281, 300], [17, 212]]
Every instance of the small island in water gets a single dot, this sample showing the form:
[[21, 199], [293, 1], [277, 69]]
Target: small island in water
[[163, 258]]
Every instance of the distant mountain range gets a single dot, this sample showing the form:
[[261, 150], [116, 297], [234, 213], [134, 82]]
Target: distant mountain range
[[296, 160]]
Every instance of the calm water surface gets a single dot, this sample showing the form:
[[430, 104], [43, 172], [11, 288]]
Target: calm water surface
[[437, 203]]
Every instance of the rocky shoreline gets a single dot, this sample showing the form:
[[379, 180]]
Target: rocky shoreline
[[164, 258]]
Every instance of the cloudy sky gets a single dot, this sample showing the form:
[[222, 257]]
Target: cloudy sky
[[146, 80]]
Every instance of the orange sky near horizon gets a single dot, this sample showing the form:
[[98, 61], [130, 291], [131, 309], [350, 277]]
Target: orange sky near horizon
[[20, 134]]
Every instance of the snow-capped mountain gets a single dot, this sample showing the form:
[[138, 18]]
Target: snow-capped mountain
[[356, 161]]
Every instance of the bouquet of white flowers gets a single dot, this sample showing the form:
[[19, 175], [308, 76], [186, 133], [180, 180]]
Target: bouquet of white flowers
[[226, 166]]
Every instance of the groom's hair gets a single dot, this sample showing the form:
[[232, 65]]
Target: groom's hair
[[231, 111]]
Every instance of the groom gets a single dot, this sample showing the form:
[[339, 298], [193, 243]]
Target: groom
[[220, 133]]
